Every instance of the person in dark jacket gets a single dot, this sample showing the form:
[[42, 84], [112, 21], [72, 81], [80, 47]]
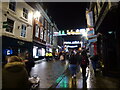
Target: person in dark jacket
[[73, 61], [14, 75], [84, 63], [29, 63], [94, 60]]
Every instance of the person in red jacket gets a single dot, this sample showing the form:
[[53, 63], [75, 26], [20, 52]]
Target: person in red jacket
[[84, 63]]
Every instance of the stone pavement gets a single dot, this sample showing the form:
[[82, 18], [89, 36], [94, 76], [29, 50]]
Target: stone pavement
[[49, 71]]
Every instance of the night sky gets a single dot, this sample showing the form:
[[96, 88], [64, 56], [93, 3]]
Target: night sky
[[67, 15]]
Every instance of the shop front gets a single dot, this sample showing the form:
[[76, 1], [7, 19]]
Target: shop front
[[38, 51], [12, 46]]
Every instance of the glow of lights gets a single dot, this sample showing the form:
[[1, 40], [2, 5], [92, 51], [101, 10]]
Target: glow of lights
[[43, 52], [110, 32], [37, 14], [87, 29], [82, 31], [35, 52], [84, 34], [72, 46], [77, 30], [73, 42]]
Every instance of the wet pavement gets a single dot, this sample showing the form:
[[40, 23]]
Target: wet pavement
[[48, 72], [98, 81], [51, 75]]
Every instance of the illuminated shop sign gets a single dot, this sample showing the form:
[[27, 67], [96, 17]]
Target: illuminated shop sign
[[8, 51], [73, 42], [90, 31], [62, 32], [72, 46], [73, 32]]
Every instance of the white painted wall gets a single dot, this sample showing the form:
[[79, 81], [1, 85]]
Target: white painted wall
[[17, 16]]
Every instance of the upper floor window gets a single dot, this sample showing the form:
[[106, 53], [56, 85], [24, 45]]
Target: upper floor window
[[10, 26], [25, 13], [23, 31], [12, 5], [37, 30]]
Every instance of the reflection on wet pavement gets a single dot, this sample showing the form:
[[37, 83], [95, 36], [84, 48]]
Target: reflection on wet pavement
[[50, 74], [92, 81]]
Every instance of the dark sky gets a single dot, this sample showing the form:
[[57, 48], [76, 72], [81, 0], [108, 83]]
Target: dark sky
[[67, 15]]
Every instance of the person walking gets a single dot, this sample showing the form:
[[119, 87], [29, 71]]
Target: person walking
[[14, 74], [84, 63], [73, 61], [94, 60]]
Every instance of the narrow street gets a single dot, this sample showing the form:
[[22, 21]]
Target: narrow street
[[44, 42]]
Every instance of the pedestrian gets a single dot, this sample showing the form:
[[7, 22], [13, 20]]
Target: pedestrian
[[29, 62], [73, 64], [79, 58], [84, 63], [94, 60], [14, 74]]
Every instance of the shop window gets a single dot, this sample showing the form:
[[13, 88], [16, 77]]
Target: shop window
[[25, 13], [12, 5], [10, 26], [23, 31]]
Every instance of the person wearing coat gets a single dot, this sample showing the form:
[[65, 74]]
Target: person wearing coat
[[84, 63], [73, 61], [14, 75]]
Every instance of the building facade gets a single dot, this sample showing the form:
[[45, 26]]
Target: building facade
[[17, 28], [43, 28], [106, 22]]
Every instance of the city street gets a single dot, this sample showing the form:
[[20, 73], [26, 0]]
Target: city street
[[50, 39], [51, 76]]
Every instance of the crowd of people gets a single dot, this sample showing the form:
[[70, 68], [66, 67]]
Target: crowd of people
[[79, 58], [16, 71]]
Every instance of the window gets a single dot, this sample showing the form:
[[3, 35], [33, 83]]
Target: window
[[37, 30], [45, 32], [12, 5], [25, 13], [10, 26], [41, 33], [23, 31]]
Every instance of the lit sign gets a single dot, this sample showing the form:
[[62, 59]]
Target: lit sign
[[73, 42], [71, 32], [55, 33], [90, 31], [8, 52], [72, 46], [61, 33]]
